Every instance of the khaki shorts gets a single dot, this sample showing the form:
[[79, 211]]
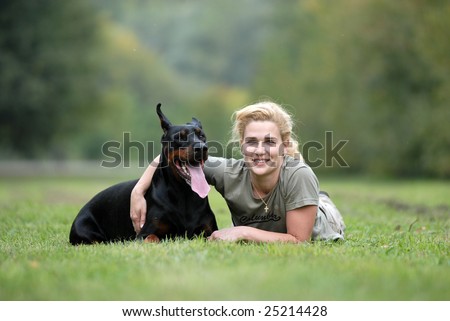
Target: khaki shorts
[[329, 225]]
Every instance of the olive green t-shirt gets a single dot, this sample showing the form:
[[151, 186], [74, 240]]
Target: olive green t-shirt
[[297, 187]]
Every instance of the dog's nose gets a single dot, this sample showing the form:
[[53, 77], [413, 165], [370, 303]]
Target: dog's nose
[[200, 150]]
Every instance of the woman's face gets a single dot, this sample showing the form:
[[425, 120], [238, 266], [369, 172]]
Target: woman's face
[[262, 147]]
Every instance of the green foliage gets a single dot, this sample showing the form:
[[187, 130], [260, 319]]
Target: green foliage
[[203, 42], [72, 80], [367, 71], [46, 73], [396, 248], [376, 73]]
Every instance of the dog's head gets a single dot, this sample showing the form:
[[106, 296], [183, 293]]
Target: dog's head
[[185, 150]]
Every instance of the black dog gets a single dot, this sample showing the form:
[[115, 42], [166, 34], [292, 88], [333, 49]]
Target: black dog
[[173, 208]]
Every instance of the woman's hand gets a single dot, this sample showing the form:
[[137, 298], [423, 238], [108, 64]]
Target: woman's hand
[[138, 209], [231, 234]]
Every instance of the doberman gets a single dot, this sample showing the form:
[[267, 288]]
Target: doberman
[[177, 202]]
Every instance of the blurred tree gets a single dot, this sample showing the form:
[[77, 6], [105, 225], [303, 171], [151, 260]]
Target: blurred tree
[[368, 71], [374, 72], [49, 67], [72, 79], [432, 44], [204, 42]]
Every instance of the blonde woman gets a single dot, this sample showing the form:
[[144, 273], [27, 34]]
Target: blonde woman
[[272, 195]]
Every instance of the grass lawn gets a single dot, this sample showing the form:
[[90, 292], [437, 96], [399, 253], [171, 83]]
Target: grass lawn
[[396, 248]]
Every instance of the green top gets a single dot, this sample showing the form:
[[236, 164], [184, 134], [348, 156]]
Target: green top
[[297, 187]]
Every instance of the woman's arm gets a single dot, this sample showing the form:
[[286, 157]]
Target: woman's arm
[[138, 205], [299, 222]]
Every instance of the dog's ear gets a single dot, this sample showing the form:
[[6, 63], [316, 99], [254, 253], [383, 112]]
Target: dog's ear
[[165, 123], [196, 122]]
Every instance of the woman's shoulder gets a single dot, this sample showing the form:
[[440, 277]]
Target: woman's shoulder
[[297, 176], [222, 172], [224, 164], [292, 164], [294, 168]]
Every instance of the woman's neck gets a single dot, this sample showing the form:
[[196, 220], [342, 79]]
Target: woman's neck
[[264, 184]]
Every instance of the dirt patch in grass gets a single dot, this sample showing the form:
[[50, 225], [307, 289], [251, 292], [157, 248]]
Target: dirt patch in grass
[[439, 211]]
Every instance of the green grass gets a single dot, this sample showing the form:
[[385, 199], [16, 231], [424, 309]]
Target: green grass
[[396, 248]]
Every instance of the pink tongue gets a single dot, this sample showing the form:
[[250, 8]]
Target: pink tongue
[[198, 181]]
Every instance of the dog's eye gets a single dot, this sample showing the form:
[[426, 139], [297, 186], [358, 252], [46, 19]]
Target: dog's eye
[[200, 134], [181, 136]]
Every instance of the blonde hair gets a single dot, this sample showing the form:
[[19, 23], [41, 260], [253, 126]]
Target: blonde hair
[[266, 111]]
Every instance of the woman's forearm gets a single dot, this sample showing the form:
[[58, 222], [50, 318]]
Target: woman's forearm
[[257, 235], [247, 233], [144, 182], [138, 204]]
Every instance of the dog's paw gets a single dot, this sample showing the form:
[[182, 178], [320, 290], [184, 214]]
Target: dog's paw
[[152, 238]]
